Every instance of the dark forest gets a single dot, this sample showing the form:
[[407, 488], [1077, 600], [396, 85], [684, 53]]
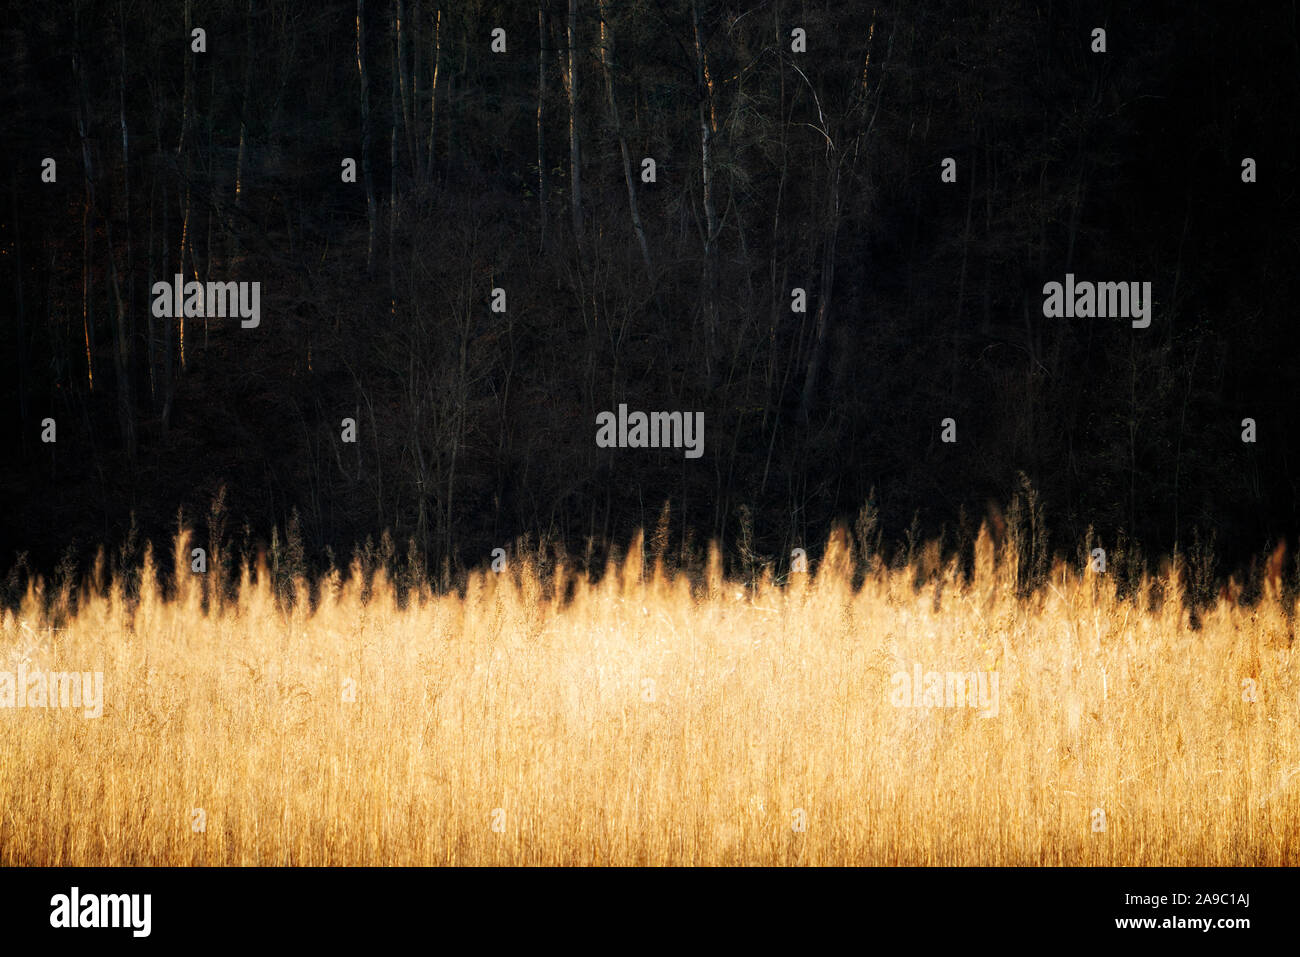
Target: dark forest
[[837, 256]]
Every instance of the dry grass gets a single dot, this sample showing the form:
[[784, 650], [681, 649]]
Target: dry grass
[[644, 722]]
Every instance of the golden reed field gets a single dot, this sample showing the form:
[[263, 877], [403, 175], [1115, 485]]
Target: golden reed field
[[652, 719]]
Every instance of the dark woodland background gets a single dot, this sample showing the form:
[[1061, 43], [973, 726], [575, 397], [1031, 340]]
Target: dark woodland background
[[775, 170]]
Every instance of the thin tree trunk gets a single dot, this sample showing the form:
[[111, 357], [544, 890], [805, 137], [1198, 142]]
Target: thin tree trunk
[[126, 190], [214, 206], [243, 132], [168, 371], [433, 93], [417, 45], [961, 289], [392, 158], [404, 76], [372, 214], [125, 414], [575, 152], [541, 127], [185, 233], [188, 72], [708, 129], [825, 289], [151, 343], [18, 302], [87, 304], [186, 108], [606, 53]]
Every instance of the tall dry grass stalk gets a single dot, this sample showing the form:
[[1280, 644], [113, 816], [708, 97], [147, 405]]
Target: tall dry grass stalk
[[646, 721]]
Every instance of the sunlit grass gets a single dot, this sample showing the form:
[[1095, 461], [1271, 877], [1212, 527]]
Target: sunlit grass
[[646, 720]]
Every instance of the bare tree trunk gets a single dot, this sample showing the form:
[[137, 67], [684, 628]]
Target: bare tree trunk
[[708, 129], [121, 343], [186, 108], [449, 96], [243, 131], [825, 288], [392, 157], [151, 355], [838, 159], [87, 224], [168, 371], [541, 127], [778, 287], [87, 302], [125, 322], [372, 214], [575, 153], [404, 75], [417, 156], [954, 380], [606, 53], [18, 302], [433, 93], [188, 72], [185, 238], [126, 185], [214, 206]]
